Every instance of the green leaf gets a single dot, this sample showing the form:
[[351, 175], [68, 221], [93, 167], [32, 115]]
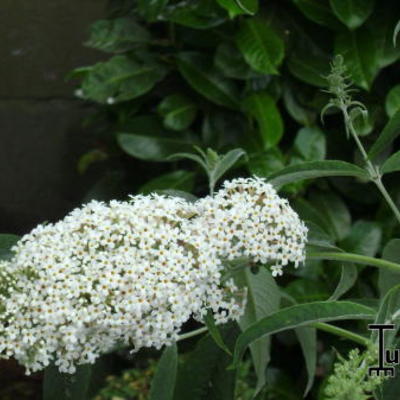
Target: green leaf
[[308, 341], [392, 164], [117, 35], [176, 180], [382, 23], [388, 313], [299, 315], [396, 33], [309, 69], [262, 107], [337, 217], [392, 103], [388, 279], [6, 242], [151, 148], [386, 137], [315, 169], [261, 47], [237, 7], [225, 163], [249, 6], [198, 72], [151, 9], [263, 298], [121, 78], [364, 238], [300, 114], [204, 371], [67, 386], [359, 52], [347, 280], [263, 164], [352, 13], [310, 143], [194, 157], [318, 11], [230, 62], [178, 112], [363, 124], [198, 14], [163, 383], [214, 332], [307, 290]]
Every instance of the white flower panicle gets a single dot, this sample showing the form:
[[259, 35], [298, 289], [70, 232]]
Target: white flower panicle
[[133, 272], [247, 218]]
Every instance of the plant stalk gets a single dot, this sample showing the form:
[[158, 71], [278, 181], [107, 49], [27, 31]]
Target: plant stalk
[[355, 258], [192, 333], [342, 332], [372, 170]]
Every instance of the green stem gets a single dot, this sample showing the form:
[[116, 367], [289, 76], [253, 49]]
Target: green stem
[[387, 197], [372, 170], [192, 333], [342, 332], [355, 258]]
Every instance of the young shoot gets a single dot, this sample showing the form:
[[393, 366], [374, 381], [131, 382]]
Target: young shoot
[[339, 86]]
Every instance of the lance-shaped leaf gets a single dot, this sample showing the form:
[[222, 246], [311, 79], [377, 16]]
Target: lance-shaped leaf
[[203, 375], [388, 279], [386, 137], [392, 102], [214, 332], [392, 164], [163, 383], [348, 277], [315, 169], [225, 163], [61, 386], [389, 313], [300, 315], [263, 299], [307, 336]]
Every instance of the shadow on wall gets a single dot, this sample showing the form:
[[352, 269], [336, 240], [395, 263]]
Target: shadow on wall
[[41, 134]]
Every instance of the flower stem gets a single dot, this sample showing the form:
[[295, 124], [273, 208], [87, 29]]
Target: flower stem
[[192, 333], [372, 170], [342, 332], [355, 258]]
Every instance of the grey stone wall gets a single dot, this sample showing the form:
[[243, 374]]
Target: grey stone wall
[[41, 133]]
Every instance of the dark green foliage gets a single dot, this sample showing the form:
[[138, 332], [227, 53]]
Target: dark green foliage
[[224, 73]]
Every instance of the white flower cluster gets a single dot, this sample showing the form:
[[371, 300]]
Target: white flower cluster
[[247, 218], [133, 272]]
